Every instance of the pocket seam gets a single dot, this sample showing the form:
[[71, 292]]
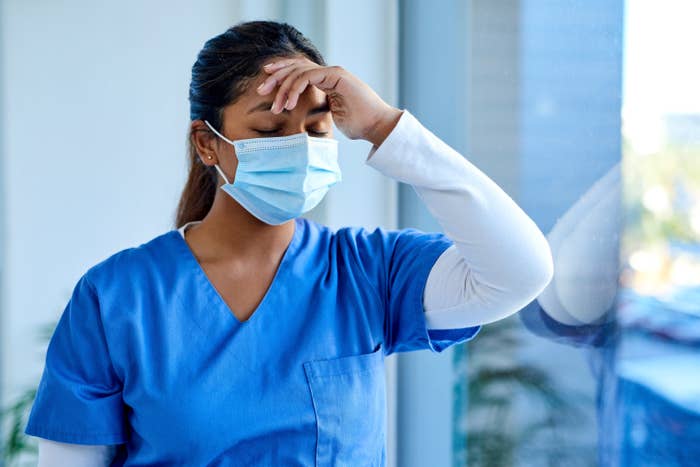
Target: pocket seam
[[364, 363], [348, 372]]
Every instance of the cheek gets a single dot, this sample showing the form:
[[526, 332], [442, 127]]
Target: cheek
[[228, 163], [232, 166]]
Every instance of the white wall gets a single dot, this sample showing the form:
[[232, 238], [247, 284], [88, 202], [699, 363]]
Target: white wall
[[94, 114], [94, 120]]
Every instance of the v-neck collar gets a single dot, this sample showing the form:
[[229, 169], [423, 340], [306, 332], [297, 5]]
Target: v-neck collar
[[203, 280]]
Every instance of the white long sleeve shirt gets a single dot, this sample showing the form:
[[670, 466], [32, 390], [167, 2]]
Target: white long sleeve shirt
[[500, 260]]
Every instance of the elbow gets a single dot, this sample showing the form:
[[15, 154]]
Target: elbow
[[545, 269], [539, 272]]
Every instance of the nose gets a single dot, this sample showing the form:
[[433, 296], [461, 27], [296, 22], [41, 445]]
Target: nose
[[294, 126]]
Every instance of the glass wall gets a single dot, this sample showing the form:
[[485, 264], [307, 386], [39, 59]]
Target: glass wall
[[587, 112]]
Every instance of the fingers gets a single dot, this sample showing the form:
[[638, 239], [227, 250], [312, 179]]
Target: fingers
[[284, 97], [277, 76], [272, 66], [279, 63], [285, 82], [293, 75], [295, 89], [323, 78], [279, 69]]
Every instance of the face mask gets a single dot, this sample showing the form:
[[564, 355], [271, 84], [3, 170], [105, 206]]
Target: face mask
[[281, 177]]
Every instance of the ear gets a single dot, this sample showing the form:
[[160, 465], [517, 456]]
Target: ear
[[205, 142]]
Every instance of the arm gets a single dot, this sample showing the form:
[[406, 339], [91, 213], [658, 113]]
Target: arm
[[578, 306], [500, 260], [55, 454]]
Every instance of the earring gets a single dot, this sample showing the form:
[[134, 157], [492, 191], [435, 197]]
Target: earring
[[209, 157]]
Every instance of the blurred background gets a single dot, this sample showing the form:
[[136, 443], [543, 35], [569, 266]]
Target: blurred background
[[586, 112]]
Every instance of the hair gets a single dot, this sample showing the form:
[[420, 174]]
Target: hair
[[222, 72]]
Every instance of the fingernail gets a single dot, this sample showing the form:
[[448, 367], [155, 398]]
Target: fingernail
[[261, 85]]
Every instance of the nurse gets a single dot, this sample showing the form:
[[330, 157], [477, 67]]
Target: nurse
[[249, 335]]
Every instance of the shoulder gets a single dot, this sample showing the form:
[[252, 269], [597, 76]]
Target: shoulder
[[133, 263], [342, 244], [381, 245], [387, 239]]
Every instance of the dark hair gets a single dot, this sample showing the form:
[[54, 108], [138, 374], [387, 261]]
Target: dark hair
[[224, 68]]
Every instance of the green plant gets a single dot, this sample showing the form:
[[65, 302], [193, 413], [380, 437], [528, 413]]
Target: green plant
[[491, 388], [14, 417]]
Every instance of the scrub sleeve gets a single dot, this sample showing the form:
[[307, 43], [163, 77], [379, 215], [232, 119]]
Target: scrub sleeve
[[398, 263], [79, 398]]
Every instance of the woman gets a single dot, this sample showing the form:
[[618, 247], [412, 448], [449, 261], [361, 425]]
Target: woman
[[250, 335]]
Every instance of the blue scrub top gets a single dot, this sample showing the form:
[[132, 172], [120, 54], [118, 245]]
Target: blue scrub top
[[148, 354]]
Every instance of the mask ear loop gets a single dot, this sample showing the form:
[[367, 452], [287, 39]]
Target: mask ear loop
[[221, 172]]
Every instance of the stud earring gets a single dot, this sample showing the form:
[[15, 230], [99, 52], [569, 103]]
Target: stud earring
[[209, 157]]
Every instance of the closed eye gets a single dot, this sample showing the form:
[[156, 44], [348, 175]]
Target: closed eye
[[311, 132]]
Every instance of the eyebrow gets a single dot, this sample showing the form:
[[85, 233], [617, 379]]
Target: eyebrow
[[266, 106]]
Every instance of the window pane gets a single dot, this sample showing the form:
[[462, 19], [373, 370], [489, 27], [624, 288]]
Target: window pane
[[588, 112]]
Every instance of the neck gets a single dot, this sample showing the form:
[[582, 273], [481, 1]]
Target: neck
[[229, 230]]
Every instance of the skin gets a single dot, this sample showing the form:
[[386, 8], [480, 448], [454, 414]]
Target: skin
[[239, 253]]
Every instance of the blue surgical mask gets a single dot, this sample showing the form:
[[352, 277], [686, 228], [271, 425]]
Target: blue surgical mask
[[281, 177]]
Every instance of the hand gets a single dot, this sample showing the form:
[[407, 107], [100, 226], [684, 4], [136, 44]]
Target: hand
[[356, 109]]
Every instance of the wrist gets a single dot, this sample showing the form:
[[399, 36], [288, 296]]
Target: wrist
[[384, 125]]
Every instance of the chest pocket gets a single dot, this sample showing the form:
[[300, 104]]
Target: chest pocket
[[349, 397]]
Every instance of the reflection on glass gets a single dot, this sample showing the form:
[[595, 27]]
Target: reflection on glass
[[659, 310], [603, 368]]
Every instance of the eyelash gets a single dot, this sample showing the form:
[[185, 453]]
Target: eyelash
[[267, 132]]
